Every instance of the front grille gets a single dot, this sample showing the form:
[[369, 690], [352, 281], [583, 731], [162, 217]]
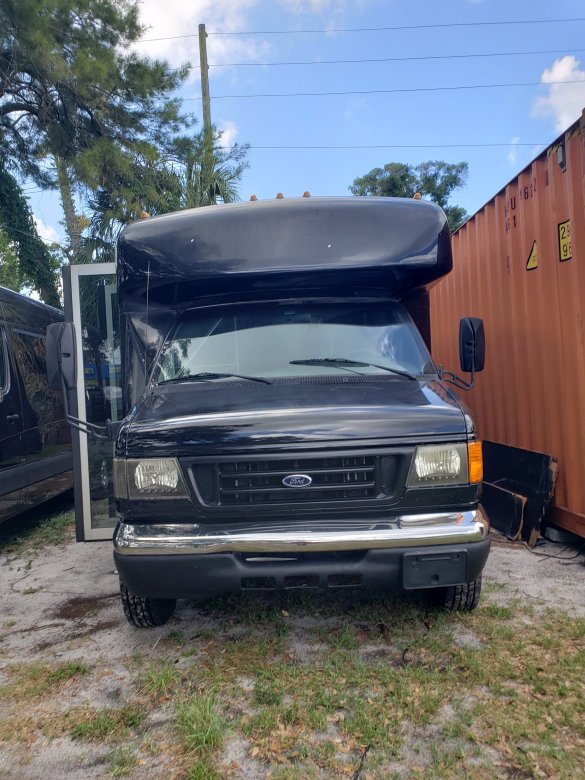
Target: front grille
[[258, 482]]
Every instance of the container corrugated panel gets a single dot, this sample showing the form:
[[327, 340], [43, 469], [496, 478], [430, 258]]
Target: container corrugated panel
[[519, 263]]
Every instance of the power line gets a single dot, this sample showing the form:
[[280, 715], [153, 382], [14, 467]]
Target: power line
[[253, 147], [395, 90], [31, 235], [388, 59], [371, 29]]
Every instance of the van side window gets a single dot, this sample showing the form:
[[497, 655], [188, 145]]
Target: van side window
[[3, 362], [30, 352]]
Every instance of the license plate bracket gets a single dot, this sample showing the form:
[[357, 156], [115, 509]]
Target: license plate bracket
[[434, 570]]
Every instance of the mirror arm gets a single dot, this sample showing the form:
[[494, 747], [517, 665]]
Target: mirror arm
[[461, 384], [81, 425]]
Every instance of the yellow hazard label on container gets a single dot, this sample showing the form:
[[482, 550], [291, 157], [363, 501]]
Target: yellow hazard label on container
[[532, 261], [565, 247]]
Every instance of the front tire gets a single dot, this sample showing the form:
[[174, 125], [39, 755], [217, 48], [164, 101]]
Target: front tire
[[458, 598], [144, 612]]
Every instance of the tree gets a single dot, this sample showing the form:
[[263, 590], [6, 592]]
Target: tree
[[10, 273], [206, 180], [181, 177], [25, 259], [77, 105], [435, 179]]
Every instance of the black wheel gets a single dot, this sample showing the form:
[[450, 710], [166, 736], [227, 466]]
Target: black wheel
[[458, 598], [143, 612]]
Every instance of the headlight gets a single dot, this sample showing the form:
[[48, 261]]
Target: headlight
[[439, 464], [159, 474], [148, 478]]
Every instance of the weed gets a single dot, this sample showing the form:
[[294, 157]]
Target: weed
[[293, 773], [200, 724], [345, 638], [267, 692], [122, 761], [497, 611], [159, 678], [202, 770], [105, 723], [33, 680], [262, 724], [31, 590], [177, 637]]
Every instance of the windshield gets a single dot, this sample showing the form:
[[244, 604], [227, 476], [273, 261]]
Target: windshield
[[293, 339]]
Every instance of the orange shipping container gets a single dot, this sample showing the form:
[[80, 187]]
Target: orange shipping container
[[519, 263]]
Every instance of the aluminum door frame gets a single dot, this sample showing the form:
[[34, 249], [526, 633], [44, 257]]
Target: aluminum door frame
[[81, 485]]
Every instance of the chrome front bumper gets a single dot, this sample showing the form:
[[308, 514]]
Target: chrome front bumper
[[404, 531]]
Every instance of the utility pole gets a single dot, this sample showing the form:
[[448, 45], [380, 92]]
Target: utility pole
[[204, 78], [205, 99]]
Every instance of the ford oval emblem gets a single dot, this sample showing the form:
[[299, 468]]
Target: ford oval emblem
[[297, 480]]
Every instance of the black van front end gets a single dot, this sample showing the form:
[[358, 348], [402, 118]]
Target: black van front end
[[262, 494]]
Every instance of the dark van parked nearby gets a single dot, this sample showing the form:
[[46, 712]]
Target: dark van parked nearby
[[35, 442]]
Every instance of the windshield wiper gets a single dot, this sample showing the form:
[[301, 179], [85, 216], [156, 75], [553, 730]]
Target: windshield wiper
[[209, 376], [346, 363]]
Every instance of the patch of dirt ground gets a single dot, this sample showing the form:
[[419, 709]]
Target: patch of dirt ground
[[288, 687]]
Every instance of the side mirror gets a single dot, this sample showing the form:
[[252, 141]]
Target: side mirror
[[61, 363], [471, 344]]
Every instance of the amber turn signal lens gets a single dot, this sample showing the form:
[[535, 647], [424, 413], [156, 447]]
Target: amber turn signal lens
[[475, 461]]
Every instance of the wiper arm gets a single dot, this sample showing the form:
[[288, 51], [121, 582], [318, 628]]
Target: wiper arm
[[209, 376], [346, 363]]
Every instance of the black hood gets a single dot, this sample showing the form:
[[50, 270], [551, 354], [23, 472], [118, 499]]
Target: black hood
[[191, 419]]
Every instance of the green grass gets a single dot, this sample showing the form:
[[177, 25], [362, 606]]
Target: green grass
[[160, 678], [307, 684], [386, 670], [38, 533], [202, 769], [104, 724], [33, 680], [200, 723], [121, 761]]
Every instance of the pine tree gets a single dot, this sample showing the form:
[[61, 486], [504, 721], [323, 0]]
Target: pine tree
[[77, 104]]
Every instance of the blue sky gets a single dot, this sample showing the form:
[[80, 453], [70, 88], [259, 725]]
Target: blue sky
[[531, 115]]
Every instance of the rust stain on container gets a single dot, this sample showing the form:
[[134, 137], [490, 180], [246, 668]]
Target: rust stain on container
[[519, 263]]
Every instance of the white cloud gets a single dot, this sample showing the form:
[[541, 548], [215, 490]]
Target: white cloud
[[321, 6], [513, 153], [46, 232], [333, 12], [564, 102], [176, 17], [308, 6], [229, 132]]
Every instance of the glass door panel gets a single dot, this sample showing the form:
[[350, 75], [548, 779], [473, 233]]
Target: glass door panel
[[92, 304]]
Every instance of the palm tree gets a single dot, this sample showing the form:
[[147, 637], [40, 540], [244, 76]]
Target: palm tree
[[207, 179], [183, 176]]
